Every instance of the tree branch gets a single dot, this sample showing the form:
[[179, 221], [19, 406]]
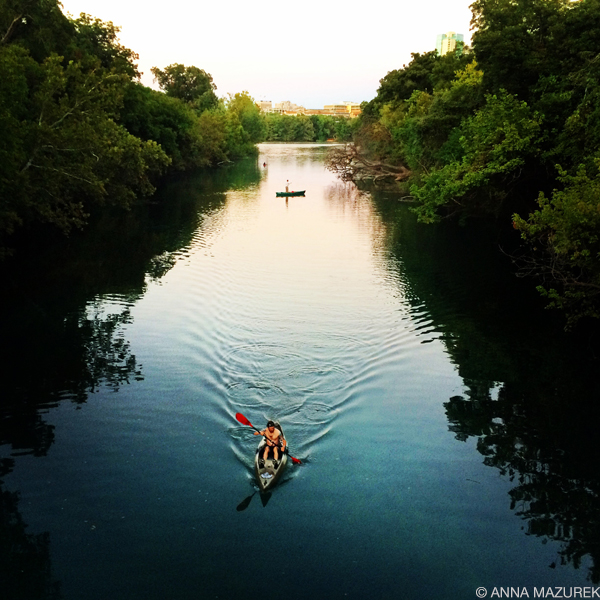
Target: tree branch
[[351, 165], [11, 30]]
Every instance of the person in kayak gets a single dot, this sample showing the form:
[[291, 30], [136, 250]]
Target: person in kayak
[[274, 440]]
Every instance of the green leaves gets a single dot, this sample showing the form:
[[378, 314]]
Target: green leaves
[[63, 147], [190, 84], [79, 132], [478, 130], [246, 111], [307, 128], [565, 232], [496, 142]]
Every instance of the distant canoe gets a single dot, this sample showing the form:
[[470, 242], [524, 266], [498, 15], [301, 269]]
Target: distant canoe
[[280, 194]]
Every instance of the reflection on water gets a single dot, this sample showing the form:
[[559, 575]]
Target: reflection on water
[[25, 569], [556, 484], [367, 335], [65, 311], [65, 314], [531, 391]]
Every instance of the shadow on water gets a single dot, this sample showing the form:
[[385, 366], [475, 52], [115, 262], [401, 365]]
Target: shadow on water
[[65, 307], [531, 398], [243, 505], [25, 568], [65, 304]]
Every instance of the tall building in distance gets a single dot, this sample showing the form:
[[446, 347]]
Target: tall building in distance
[[446, 42]]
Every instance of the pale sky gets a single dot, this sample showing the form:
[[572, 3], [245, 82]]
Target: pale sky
[[313, 52]]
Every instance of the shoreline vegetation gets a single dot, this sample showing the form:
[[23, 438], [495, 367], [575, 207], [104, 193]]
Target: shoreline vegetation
[[507, 130], [80, 133]]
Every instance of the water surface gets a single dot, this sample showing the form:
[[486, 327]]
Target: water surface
[[446, 430]]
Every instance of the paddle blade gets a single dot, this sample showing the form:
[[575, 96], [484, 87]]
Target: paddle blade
[[242, 419], [243, 505], [296, 461]]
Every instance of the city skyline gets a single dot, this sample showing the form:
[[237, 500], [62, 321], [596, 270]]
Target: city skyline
[[239, 46]]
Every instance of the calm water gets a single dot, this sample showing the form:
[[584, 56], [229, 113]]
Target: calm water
[[447, 429]]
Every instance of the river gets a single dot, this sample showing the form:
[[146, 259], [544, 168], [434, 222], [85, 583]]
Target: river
[[446, 426]]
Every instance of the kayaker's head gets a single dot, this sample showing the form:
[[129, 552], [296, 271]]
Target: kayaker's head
[[270, 425]]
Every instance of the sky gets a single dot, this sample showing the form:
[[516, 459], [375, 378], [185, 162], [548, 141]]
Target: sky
[[312, 53]]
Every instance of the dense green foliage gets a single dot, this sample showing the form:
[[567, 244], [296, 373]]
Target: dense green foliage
[[308, 128], [486, 130], [78, 129], [190, 84], [567, 228]]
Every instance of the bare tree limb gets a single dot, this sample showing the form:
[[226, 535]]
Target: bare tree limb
[[11, 30], [350, 165]]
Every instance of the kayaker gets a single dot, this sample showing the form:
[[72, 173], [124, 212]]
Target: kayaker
[[274, 440]]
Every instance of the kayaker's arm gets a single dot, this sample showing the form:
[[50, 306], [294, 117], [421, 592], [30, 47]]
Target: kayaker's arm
[[280, 442]]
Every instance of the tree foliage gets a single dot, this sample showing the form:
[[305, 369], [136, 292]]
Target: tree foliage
[[566, 230], [78, 129], [495, 144], [308, 128], [246, 123], [480, 130], [190, 84]]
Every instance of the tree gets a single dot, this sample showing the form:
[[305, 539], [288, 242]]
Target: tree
[[37, 25], [564, 234], [249, 115], [190, 84], [63, 146], [424, 73], [497, 141], [513, 41], [95, 38], [399, 85], [78, 131], [305, 131]]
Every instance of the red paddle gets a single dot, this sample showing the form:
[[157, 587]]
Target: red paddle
[[242, 419]]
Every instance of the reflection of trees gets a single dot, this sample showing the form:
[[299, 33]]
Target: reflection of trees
[[61, 337], [70, 360], [106, 359], [25, 572], [547, 453], [65, 305], [531, 390]]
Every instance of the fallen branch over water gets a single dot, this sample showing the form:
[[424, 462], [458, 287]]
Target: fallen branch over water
[[350, 165]]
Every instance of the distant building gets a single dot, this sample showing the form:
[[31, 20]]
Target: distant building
[[345, 109], [353, 108], [265, 105], [446, 42], [335, 109], [288, 108]]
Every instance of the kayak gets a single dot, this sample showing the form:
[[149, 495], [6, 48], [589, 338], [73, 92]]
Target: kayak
[[268, 473], [280, 194]]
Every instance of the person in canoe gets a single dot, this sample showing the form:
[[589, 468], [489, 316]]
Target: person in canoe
[[274, 440], [287, 186]]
